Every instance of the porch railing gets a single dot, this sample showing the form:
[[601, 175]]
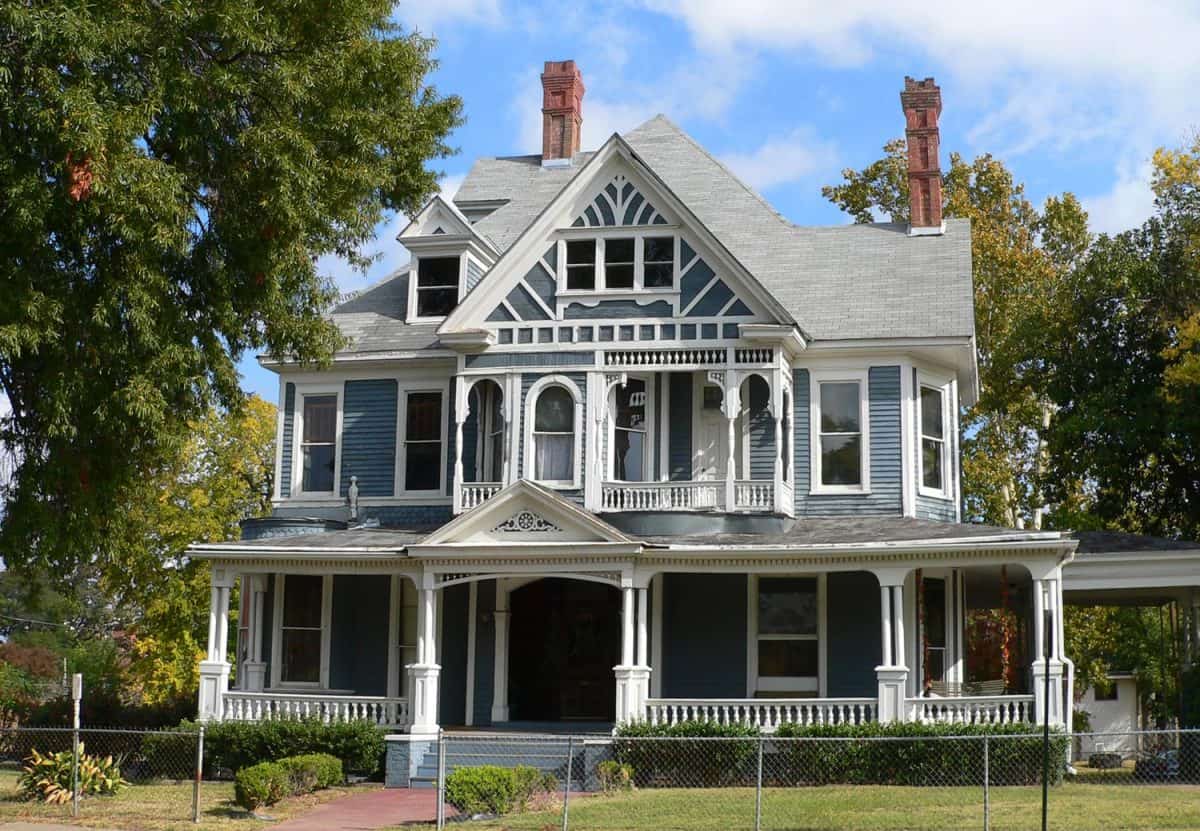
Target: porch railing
[[753, 495], [475, 494], [765, 713], [662, 496], [998, 709], [265, 706]]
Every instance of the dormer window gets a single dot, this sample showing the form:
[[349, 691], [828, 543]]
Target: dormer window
[[437, 285], [627, 261]]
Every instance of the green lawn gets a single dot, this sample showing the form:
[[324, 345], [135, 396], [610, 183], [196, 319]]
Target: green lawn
[[164, 806], [1073, 807]]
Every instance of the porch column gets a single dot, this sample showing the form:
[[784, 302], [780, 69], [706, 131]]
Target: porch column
[[892, 673], [633, 679], [460, 416], [731, 405], [777, 416], [1046, 634], [500, 671], [423, 675], [214, 670], [254, 668]]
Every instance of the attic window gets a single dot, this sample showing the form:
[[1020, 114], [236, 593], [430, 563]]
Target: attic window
[[437, 286], [581, 264]]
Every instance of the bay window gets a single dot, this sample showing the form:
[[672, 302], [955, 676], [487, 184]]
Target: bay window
[[629, 446]]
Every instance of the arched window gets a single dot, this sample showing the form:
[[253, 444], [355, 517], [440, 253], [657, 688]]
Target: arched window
[[554, 436], [629, 432]]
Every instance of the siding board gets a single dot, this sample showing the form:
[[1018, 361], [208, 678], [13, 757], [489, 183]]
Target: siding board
[[704, 636], [369, 437], [289, 432], [679, 438]]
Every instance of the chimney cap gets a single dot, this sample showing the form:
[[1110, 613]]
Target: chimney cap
[[921, 95]]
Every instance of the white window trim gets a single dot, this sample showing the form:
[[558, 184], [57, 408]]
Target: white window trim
[[412, 316], [942, 386], [531, 398], [814, 426], [650, 449], [404, 390], [310, 390], [638, 234], [754, 684], [277, 634]]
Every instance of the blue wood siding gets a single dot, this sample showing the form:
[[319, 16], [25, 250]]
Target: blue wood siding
[[452, 656], [617, 310], [493, 360], [358, 641], [474, 273], [679, 432], [369, 437], [852, 628], [883, 384], [691, 284], [658, 425], [485, 651], [704, 636], [761, 430], [289, 432], [451, 435]]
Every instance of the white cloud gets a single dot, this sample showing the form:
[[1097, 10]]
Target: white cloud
[[782, 160], [1127, 205], [428, 17]]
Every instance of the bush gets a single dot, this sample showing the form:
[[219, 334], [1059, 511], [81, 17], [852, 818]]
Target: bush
[[169, 755], [927, 758], [486, 789], [665, 758], [234, 745], [313, 772], [614, 776], [529, 785], [48, 777], [263, 784]]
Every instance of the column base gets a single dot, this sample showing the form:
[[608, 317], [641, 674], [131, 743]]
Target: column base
[[214, 681], [256, 676], [893, 683], [633, 688], [423, 700], [1056, 691]]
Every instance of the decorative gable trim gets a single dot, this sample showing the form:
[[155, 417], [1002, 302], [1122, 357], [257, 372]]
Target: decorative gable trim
[[527, 522], [440, 223], [619, 203]]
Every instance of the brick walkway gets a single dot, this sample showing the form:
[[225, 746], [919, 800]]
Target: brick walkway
[[367, 811]]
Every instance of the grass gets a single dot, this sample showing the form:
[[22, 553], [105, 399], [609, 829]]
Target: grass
[[1073, 807], [163, 806]]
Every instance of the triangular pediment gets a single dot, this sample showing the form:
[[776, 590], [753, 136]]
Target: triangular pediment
[[525, 513]]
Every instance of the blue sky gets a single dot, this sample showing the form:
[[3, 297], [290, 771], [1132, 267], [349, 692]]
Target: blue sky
[[1074, 95]]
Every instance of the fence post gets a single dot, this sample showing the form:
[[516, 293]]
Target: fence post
[[567, 779], [986, 784], [76, 695], [758, 789], [441, 779], [199, 775]]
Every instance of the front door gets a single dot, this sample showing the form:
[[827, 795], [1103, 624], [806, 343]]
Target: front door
[[564, 640], [712, 434]]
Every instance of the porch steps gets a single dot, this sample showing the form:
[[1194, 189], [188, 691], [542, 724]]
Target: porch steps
[[546, 753]]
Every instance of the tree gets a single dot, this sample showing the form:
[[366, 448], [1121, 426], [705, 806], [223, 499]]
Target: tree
[[169, 175]]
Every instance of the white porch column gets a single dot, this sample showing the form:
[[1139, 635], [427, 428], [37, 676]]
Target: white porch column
[[642, 630], [731, 405], [423, 675], [254, 668], [214, 670], [627, 619], [460, 416], [500, 671], [633, 679], [777, 416], [1045, 592], [892, 673]]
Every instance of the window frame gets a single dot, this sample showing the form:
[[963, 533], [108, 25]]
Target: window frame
[[434, 254], [638, 234], [942, 387], [530, 465], [776, 685], [816, 379], [649, 443], [297, 474], [277, 601], [401, 489]]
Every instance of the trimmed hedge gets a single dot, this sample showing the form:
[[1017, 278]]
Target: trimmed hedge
[[313, 771], [234, 745], [673, 761], [268, 782], [490, 789], [927, 757]]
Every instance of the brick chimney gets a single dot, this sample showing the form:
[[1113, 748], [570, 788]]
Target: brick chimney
[[922, 103], [562, 112]]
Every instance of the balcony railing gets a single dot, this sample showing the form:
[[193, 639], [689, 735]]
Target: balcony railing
[[266, 706], [753, 495], [475, 494], [662, 496], [972, 709], [765, 713]]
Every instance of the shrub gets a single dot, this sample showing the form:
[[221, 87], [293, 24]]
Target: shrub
[[486, 789], [928, 757], [234, 745], [169, 755], [664, 757], [313, 772], [529, 785], [263, 784], [48, 777], [614, 776]]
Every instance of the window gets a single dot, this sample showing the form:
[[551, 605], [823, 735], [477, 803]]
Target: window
[[658, 262], [933, 439], [318, 443], [629, 432], [933, 625], [581, 264], [1106, 693], [841, 434], [423, 441], [301, 630], [618, 263], [493, 466], [787, 635], [554, 436], [437, 286]]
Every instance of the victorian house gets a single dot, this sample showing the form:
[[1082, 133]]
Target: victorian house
[[623, 443]]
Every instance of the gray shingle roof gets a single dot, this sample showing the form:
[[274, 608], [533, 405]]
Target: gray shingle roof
[[1116, 541], [373, 319], [851, 530]]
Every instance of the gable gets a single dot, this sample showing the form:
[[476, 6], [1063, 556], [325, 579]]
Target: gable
[[619, 203]]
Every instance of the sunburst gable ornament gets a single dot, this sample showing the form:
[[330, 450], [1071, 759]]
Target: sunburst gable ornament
[[526, 522]]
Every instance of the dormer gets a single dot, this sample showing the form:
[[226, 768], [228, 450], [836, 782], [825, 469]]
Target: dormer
[[449, 258]]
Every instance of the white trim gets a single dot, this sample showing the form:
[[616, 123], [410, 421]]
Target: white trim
[[309, 390], [431, 495], [656, 635], [664, 433], [280, 417], [277, 683], [944, 388], [531, 398], [394, 661], [472, 613], [816, 378], [452, 250], [649, 443], [908, 500], [756, 684]]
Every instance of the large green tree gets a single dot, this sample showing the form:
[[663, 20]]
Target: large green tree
[[169, 175]]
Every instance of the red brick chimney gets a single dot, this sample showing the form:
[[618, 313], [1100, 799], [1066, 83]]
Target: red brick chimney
[[922, 103], [562, 111]]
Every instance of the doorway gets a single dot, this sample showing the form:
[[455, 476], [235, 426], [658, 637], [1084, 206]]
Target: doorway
[[712, 431], [564, 640]]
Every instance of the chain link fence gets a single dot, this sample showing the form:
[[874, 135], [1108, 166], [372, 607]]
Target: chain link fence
[[57, 770], [771, 782]]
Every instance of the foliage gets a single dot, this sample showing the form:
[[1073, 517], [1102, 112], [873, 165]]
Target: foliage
[[263, 784], [313, 772], [614, 776], [530, 786], [172, 174], [485, 789], [48, 776], [661, 751], [170, 755], [1014, 757], [237, 744]]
